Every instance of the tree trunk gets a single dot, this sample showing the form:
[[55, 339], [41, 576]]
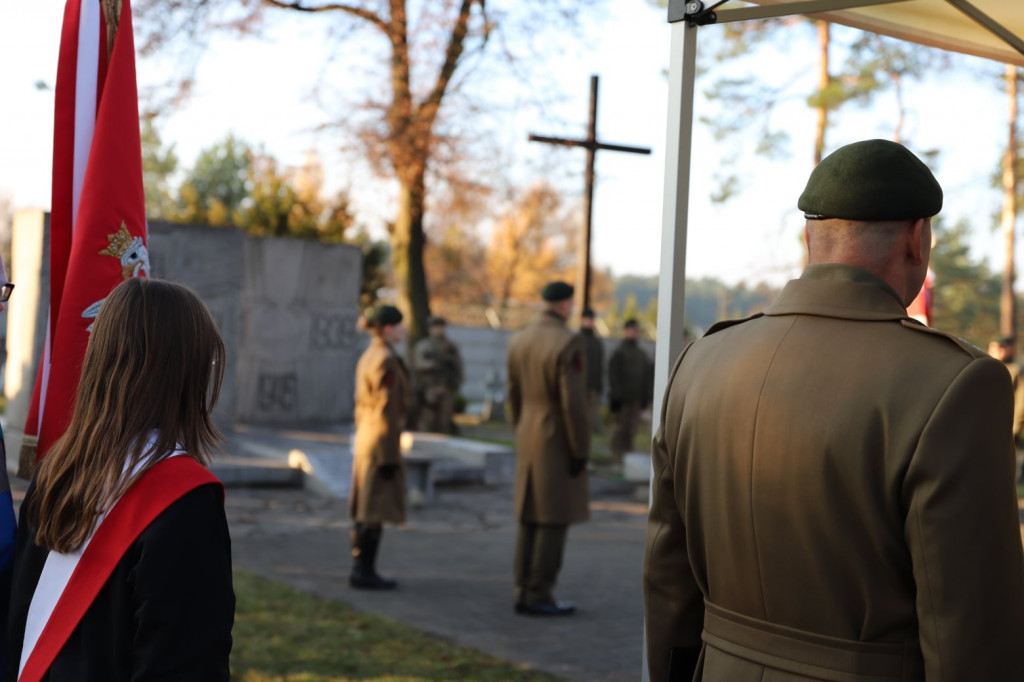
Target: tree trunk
[[1008, 302], [407, 243], [823, 82]]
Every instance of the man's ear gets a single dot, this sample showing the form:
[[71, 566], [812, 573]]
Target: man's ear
[[915, 242]]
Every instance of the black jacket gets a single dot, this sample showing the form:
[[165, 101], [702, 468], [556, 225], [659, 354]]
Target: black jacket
[[166, 611]]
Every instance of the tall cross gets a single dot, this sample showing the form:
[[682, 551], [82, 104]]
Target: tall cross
[[591, 144]]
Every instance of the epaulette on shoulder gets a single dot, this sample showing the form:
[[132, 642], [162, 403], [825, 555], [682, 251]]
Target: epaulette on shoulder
[[964, 344], [725, 324]]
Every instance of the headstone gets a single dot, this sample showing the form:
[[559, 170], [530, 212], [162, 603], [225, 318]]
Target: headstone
[[494, 398]]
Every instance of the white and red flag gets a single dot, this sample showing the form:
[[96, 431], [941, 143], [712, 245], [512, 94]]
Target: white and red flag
[[98, 210]]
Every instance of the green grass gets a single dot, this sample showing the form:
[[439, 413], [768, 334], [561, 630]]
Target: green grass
[[284, 635]]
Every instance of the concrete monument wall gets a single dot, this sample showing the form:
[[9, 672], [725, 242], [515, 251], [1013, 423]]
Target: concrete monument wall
[[286, 309]]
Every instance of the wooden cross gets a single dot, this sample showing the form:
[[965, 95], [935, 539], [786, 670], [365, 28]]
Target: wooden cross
[[591, 144]]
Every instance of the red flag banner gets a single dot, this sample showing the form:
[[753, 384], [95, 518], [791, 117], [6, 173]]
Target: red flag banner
[[98, 213]]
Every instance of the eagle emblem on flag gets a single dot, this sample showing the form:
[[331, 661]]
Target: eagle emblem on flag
[[134, 257]]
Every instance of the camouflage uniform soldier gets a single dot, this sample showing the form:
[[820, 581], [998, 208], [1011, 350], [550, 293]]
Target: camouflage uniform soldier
[[437, 375], [547, 400], [630, 389]]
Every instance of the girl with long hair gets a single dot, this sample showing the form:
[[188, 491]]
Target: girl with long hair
[[123, 547]]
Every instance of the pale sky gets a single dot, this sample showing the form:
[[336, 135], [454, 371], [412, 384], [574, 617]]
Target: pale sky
[[753, 238]]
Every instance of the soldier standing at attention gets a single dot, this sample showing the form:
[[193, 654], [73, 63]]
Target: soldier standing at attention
[[378, 473], [595, 368], [630, 389], [1003, 350], [832, 492], [547, 401], [437, 376]]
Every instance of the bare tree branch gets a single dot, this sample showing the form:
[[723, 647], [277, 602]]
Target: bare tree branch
[[360, 12]]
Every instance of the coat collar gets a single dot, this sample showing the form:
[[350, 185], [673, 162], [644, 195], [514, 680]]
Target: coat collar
[[839, 290], [549, 318]]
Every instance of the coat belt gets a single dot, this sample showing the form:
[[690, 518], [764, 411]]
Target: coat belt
[[809, 654]]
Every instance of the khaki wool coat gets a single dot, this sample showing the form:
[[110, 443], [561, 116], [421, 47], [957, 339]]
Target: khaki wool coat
[[547, 401], [382, 400], [833, 498]]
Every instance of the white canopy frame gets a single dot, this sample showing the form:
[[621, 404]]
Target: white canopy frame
[[993, 29], [987, 28]]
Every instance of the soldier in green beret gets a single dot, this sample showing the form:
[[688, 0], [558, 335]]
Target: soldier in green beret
[[547, 401], [833, 493], [378, 472]]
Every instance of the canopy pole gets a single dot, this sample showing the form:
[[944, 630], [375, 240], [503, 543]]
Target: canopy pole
[[675, 202]]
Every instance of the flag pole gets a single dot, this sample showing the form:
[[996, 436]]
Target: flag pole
[[112, 12]]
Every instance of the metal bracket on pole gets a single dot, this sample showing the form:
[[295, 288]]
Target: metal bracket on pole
[[693, 12]]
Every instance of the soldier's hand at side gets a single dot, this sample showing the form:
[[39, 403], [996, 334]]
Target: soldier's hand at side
[[388, 471], [576, 465]]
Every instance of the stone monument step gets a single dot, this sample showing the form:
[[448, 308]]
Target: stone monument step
[[238, 471]]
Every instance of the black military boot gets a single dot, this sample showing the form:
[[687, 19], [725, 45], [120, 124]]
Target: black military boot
[[365, 542]]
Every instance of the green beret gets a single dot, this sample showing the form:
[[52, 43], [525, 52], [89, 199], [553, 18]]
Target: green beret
[[872, 180], [631, 323], [382, 315], [556, 291]]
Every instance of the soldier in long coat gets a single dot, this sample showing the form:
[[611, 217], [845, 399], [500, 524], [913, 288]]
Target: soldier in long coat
[[833, 494], [378, 472], [547, 401]]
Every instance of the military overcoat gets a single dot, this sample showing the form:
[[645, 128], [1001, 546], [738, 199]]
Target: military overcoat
[[547, 401], [630, 375], [594, 360], [833, 498], [382, 399]]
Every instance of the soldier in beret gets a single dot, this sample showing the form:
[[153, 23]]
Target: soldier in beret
[[547, 401], [378, 473], [833, 493]]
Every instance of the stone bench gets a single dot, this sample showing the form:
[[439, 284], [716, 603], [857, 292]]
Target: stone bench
[[463, 459], [432, 458], [419, 478]]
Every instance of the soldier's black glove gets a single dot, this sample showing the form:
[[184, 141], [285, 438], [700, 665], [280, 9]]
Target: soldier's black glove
[[614, 405], [388, 471], [576, 465]]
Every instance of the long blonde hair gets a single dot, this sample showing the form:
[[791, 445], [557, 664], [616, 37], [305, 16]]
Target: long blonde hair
[[155, 361]]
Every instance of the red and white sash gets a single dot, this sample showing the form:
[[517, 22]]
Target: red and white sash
[[69, 582]]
